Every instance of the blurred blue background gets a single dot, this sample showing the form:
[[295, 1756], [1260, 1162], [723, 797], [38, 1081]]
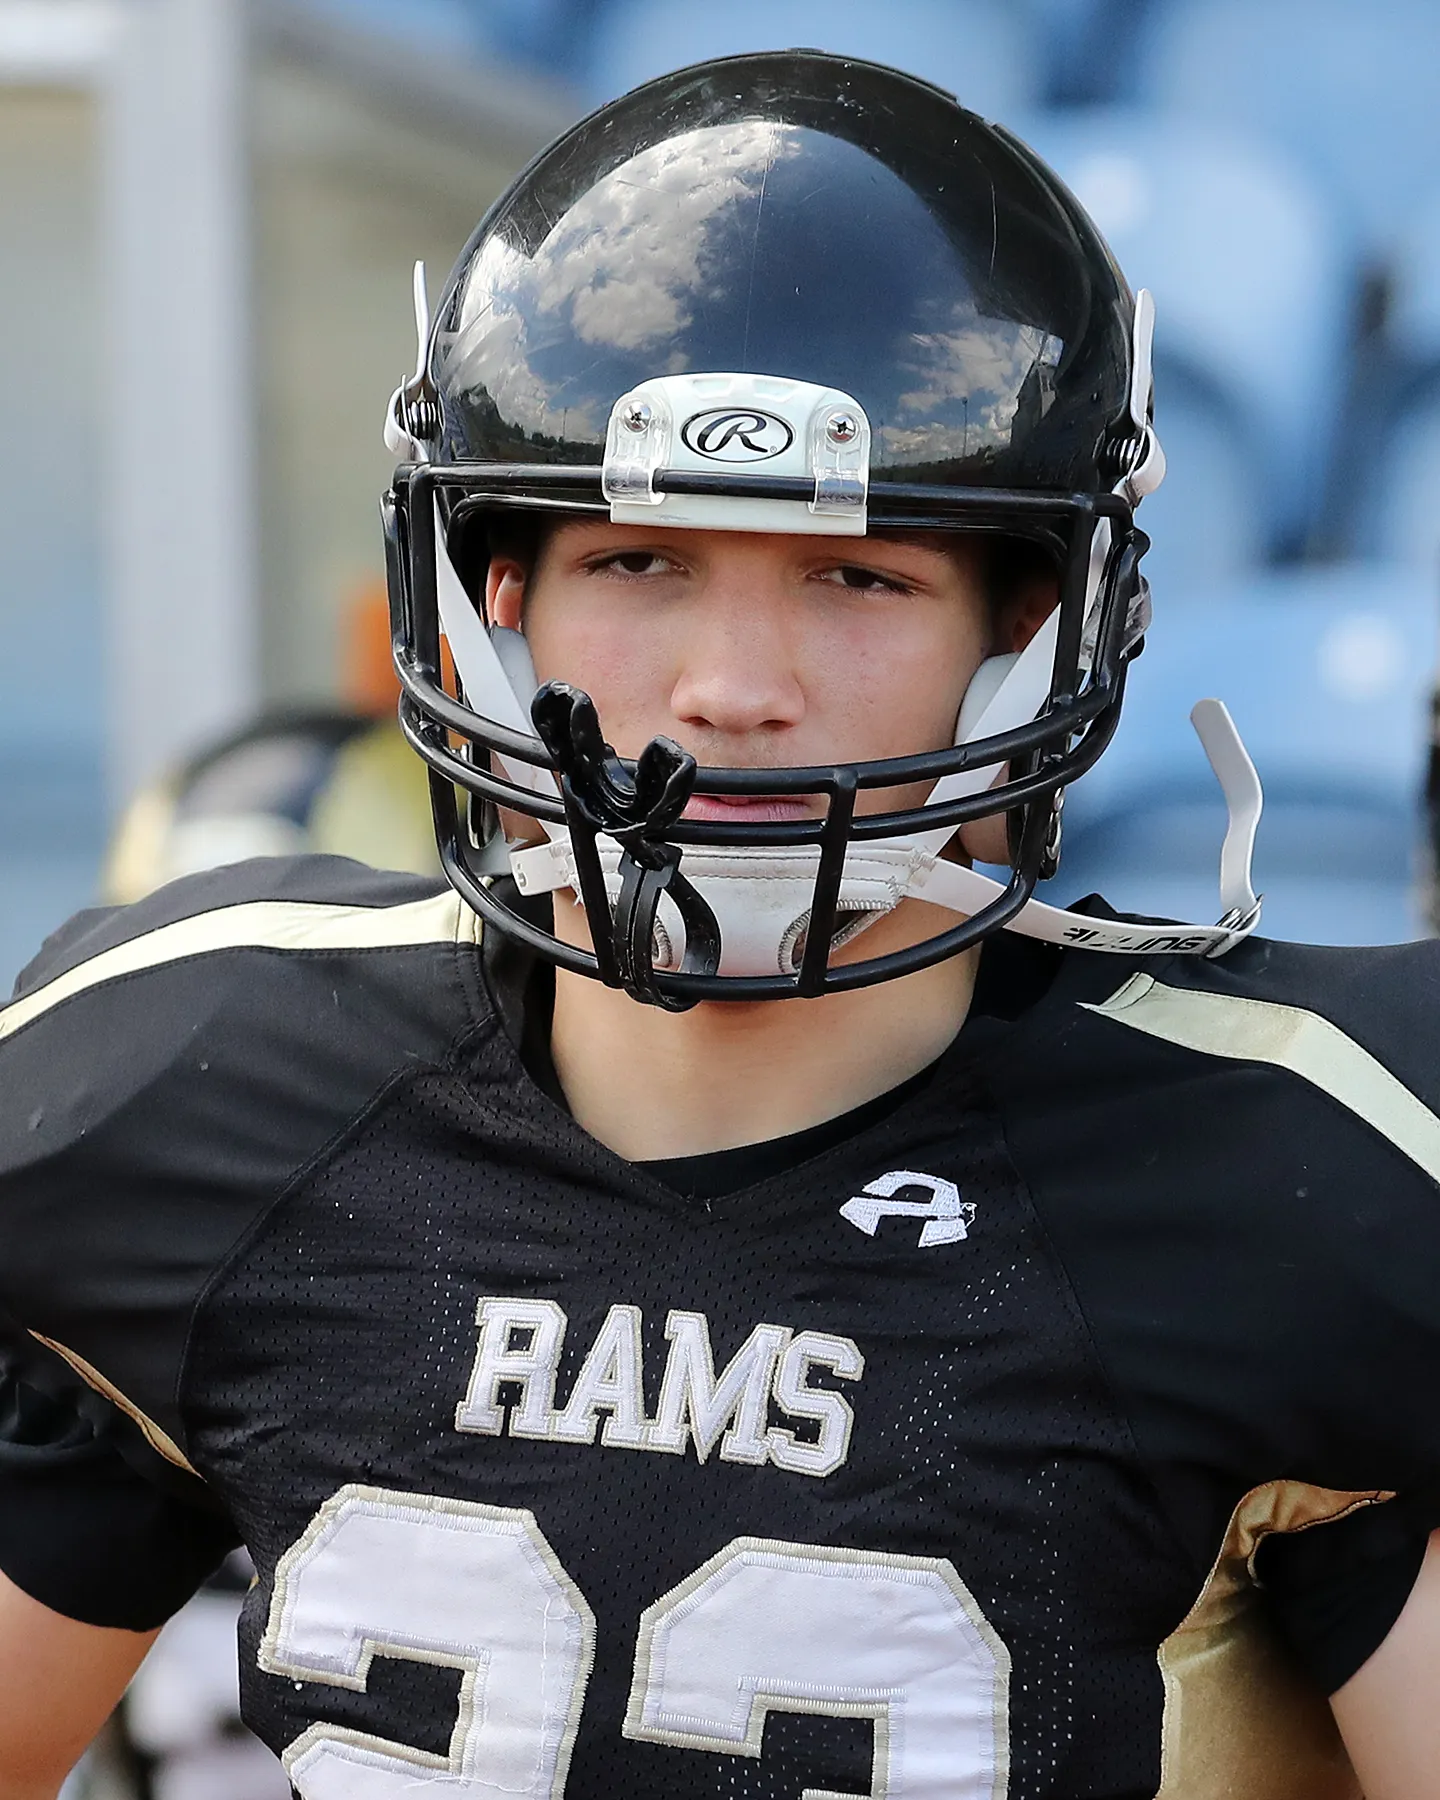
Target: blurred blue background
[[1269, 168]]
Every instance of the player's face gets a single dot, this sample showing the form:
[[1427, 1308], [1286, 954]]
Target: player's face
[[757, 650]]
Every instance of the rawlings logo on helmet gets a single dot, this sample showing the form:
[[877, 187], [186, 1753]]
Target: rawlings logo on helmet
[[731, 434]]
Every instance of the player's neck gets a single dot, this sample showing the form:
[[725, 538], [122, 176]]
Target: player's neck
[[651, 1084]]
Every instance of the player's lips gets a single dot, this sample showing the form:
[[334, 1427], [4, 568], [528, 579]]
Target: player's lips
[[732, 809]]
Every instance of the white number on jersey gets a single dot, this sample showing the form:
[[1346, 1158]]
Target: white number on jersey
[[799, 1628], [763, 1626], [468, 1587]]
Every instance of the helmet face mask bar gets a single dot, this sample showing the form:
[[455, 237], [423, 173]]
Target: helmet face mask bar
[[1060, 454]]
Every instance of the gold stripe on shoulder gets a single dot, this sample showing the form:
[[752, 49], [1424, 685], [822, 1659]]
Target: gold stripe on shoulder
[[157, 1439], [259, 925], [1287, 1037]]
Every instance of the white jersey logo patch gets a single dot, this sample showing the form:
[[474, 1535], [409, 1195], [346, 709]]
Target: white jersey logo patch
[[700, 1407], [947, 1217]]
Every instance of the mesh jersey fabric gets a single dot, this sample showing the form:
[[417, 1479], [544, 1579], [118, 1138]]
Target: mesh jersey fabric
[[298, 1152]]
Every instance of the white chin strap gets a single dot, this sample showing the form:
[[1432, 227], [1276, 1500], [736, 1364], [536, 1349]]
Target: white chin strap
[[761, 898]]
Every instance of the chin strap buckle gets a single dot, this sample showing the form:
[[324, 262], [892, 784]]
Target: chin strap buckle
[[602, 797]]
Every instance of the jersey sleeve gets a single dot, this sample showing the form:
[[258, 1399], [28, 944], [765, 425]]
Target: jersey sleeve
[[1334, 1594], [165, 1070], [89, 1525], [1239, 1165]]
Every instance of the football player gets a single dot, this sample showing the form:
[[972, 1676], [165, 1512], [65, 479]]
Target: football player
[[723, 1297]]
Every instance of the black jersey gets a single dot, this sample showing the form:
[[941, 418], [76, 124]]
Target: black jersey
[[933, 1466]]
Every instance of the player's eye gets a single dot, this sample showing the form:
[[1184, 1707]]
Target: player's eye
[[635, 562], [864, 581]]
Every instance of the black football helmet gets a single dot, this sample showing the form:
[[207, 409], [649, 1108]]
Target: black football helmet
[[785, 291]]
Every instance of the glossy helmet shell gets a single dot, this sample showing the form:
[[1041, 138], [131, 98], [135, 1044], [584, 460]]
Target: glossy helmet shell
[[798, 215]]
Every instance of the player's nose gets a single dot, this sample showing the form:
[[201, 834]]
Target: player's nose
[[738, 669]]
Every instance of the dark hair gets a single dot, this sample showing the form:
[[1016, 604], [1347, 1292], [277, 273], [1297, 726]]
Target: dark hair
[[1012, 565], [473, 539], [520, 535]]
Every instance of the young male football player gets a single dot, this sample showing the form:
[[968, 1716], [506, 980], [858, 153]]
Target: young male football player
[[778, 1313]]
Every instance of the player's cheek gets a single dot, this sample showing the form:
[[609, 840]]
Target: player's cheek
[[631, 683], [916, 710], [910, 684], [618, 653]]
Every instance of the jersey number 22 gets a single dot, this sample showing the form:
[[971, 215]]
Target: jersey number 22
[[761, 1626]]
